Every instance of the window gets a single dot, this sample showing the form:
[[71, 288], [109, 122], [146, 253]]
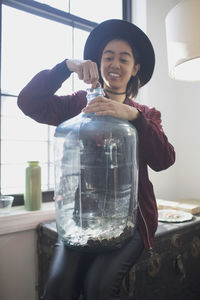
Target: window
[[37, 35]]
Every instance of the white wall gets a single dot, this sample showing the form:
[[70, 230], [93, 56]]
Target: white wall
[[18, 266], [179, 103], [18, 252]]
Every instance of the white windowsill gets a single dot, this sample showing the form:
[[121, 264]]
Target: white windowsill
[[20, 219]]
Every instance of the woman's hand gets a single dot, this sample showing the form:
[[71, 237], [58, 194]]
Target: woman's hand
[[102, 106], [86, 70]]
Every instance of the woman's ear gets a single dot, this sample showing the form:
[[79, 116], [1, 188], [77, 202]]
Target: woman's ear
[[135, 69]]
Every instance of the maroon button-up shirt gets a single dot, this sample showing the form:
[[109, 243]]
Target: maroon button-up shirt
[[38, 101]]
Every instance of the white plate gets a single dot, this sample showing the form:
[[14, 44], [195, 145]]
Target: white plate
[[173, 215]]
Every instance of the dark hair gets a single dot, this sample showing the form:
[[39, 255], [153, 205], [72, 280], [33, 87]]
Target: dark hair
[[133, 86], [134, 82]]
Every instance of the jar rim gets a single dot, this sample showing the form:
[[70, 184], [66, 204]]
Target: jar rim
[[6, 198], [94, 90]]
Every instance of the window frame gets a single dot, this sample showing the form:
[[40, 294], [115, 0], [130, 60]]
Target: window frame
[[47, 12]]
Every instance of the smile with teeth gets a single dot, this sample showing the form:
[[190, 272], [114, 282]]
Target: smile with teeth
[[115, 75]]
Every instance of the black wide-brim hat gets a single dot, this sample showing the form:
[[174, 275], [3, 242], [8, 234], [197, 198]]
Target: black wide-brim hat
[[114, 28]]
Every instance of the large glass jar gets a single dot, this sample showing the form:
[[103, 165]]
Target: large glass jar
[[96, 180]]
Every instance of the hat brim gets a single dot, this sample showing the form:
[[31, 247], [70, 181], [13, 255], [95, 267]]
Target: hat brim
[[110, 29]]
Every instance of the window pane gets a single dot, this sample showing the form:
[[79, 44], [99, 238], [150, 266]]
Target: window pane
[[29, 45], [80, 37], [9, 106], [22, 139], [51, 132], [15, 126], [22, 151], [13, 178], [16, 175], [95, 10], [23, 129], [59, 4], [51, 179]]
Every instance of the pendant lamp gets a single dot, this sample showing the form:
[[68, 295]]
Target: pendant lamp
[[183, 40]]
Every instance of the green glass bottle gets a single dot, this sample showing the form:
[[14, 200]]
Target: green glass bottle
[[33, 194]]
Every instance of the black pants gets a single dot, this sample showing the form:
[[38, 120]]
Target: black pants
[[97, 276]]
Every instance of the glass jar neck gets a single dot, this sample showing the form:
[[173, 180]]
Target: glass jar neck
[[93, 94]]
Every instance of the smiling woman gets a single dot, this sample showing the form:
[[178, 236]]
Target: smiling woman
[[110, 61]]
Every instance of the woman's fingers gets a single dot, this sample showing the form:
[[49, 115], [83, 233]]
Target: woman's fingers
[[86, 70], [90, 73], [102, 106], [95, 77], [99, 104]]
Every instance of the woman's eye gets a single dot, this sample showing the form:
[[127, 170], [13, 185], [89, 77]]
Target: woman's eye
[[108, 58], [124, 61]]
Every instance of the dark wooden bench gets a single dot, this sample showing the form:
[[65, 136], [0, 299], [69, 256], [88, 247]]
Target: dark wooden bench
[[171, 273]]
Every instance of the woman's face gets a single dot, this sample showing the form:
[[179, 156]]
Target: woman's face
[[117, 65]]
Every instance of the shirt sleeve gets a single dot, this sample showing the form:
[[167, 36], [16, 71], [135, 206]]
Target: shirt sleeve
[[38, 100], [154, 146]]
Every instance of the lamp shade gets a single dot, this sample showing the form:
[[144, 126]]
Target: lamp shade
[[183, 40]]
